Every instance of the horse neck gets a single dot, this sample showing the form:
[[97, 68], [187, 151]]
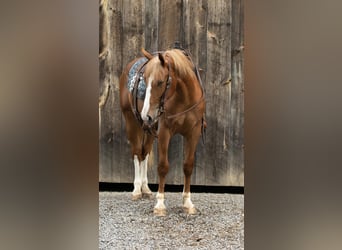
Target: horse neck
[[188, 90]]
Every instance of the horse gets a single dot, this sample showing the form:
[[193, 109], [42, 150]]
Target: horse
[[171, 102]]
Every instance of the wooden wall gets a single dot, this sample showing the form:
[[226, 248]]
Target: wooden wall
[[213, 33]]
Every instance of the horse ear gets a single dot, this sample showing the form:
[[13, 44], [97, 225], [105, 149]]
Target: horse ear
[[146, 54], [161, 58]]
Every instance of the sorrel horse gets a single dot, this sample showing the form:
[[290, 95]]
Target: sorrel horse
[[160, 96]]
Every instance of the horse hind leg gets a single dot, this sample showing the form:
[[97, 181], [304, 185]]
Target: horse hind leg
[[141, 188], [146, 150], [188, 206], [135, 135], [146, 192], [136, 194]]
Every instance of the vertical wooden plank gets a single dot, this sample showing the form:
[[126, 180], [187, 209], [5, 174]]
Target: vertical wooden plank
[[133, 29], [218, 57], [151, 25], [195, 29], [132, 25], [237, 102], [187, 11], [109, 71], [115, 120], [116, 59], [103, 26], [103, 36], [170, 28], [201, 25]]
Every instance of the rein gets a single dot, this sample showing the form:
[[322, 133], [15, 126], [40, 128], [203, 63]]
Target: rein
[[187, 110]]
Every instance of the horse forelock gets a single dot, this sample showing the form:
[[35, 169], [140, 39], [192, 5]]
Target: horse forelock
[[153, 68]]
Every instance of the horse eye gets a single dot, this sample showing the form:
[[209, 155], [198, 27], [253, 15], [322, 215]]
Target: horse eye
[[159, 83]]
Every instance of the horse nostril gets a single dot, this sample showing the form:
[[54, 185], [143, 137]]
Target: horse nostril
[[149, 118]]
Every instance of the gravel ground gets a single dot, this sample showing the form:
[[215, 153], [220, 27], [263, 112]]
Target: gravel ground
[[127, 224]]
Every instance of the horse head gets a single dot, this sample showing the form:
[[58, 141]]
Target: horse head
[[157, 76]]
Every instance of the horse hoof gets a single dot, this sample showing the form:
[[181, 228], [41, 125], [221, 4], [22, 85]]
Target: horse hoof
[[136, 197], [190, 211], [159, 212]]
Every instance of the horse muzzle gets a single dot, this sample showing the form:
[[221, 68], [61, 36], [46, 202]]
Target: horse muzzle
[[149, 119], [150, 126]]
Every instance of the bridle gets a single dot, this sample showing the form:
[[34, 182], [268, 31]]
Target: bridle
[[151, 126]]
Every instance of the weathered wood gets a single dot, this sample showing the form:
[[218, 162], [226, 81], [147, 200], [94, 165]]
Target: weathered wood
[[212, 31], [151, 25], [105, 116], [236, 120], [104, 29], [218, 94], [195, 40]]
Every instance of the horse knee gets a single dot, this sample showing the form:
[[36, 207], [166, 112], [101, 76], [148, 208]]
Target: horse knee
[[188, 170], [163, 168], [188, 167]]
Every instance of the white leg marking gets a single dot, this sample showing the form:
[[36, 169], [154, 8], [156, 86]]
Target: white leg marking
[[160, 208], [160, 201], [187, 203], [137, 179], [146, 106], [143, 176], [187, 200]]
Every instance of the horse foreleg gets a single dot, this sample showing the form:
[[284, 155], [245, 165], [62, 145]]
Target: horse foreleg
[[160, 208], [163, 168]]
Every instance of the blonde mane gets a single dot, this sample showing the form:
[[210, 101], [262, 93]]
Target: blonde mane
[[183, 67]]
